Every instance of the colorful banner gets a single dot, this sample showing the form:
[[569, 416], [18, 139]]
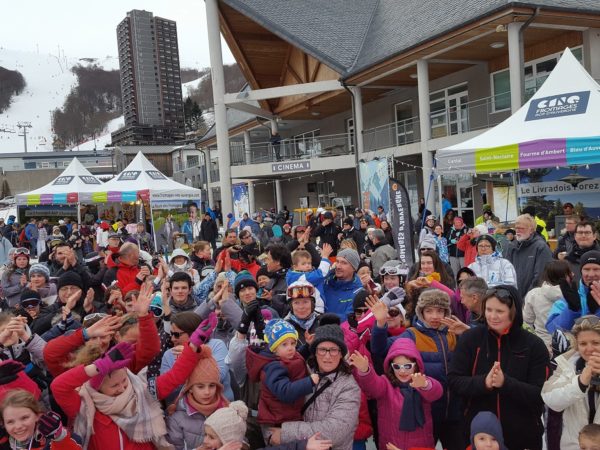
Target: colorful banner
[[401, 222], [241, 203], [374, 184], [174, 223]]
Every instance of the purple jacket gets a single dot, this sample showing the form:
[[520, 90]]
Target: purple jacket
[[390, 400]]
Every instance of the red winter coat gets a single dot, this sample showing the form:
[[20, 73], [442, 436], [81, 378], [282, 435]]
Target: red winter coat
[[107, 434], [58, 351], [126, 275], [470, 250]]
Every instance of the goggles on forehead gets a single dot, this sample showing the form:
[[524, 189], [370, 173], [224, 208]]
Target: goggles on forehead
[[305, 291]]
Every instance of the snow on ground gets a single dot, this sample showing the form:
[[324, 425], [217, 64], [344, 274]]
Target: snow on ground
[[49, 81], [105, 138]]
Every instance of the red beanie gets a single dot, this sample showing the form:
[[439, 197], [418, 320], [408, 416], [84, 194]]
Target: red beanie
[[22, 381]]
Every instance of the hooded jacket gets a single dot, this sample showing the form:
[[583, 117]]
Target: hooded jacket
[[283, 385], [390, 400], [524, 361], [494, 269], [529, 258], [339, 295], [563, 394], [538, 303], [467, 245], [124, 274]]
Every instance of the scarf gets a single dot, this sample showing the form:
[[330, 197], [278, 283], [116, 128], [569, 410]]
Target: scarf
[[135, 412], [412, 416], [207, 410], [305, 324]]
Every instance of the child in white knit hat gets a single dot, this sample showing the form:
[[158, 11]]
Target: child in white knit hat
[[226, 427]]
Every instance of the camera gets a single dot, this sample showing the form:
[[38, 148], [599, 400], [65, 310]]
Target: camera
[[155, 262]]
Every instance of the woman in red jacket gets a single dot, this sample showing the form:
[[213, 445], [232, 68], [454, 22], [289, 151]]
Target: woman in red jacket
[[113, 408]]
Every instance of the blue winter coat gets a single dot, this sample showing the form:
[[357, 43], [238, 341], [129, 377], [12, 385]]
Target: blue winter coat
[[339, 295], [562, 318]]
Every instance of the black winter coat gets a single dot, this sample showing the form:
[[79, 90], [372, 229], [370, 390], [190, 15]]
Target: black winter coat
[[208, 230], [518, 403]]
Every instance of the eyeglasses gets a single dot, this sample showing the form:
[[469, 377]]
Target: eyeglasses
[[360, 311], [304, 291], [22, 251], [405, 367], [585, 233], [333, 351], [500, 293], [393, 312], [178, 334], [484, 246]]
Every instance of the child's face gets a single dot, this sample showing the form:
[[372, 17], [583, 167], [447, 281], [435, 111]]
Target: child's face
[[484, 441], [404, 375], [303, 265], [211, 440], [391, 281], [262, 281], [19, 422], [588, 443], [286, 349], [433, 315], [204, 393]]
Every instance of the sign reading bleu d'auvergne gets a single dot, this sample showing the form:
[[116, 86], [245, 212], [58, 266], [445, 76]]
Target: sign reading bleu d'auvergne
[[290, 166], [558, 105]]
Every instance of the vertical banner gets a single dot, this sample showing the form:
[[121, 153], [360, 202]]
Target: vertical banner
[[241, 203], [374, 184], [401, 222]]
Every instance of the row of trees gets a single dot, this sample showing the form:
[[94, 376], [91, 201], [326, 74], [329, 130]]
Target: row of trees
[[12, 84]]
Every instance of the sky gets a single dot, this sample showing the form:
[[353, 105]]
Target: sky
[[88, 29]]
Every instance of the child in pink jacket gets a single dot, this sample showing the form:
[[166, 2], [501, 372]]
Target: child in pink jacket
[[404, 395]]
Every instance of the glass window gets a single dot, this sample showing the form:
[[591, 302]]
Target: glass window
[[501, 90]]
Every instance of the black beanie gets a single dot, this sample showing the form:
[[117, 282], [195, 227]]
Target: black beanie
[[490, 239], [70, 278], [262, 272], [329, 333], [29, 294], [329, 319], [591, 257], [360, 299]]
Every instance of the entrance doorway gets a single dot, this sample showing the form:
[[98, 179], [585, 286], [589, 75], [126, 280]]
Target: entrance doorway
[[460, 193]]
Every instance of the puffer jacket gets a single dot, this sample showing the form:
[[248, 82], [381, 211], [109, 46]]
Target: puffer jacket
[[126, 276], [185, 427], [538, 303], [467, 245], [390, 401], [529, 259], [339, 295], [11, 286], [563, 394], [334, 413], [561, 317], [524, 360], [494, 269]]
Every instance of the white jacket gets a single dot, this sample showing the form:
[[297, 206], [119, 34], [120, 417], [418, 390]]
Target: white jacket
[[562, 393], [538, 302], [494, 270]]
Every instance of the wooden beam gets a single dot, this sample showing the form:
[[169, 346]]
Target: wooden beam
[[284, 91], [297, 77], [305, 66], [313, 75], [469, 62]]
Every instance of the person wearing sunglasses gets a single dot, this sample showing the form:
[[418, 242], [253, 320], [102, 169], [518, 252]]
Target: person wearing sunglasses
[[404, 395], [573, 387], [578, 298], [490, 266], [15, 278], [502, 367]]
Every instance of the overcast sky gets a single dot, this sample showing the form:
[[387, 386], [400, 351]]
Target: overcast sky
[[88, 29]]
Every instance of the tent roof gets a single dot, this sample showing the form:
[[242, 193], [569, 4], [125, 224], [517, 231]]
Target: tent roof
[[141, 175], [558, 126], [75, 179]]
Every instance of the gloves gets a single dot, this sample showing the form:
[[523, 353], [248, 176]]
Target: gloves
[[560, 343], [9, 371], [50, 426], [571, 295], [592, 304], [259, 325], [248, 316], [116, 358], [202, 334]]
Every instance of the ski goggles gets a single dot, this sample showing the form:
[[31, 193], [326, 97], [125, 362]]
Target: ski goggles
[[22, 251], [304, 291], [92, 318], [393, 270]]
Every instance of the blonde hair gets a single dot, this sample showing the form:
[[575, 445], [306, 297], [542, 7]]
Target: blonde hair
[[299, 255], [585, 323], [20, 398], [85, 355], [526, 219], [348, 243]]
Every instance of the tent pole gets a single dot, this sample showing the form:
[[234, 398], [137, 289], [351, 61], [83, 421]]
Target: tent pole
[[152, 223], [78, 213], [440, 204]]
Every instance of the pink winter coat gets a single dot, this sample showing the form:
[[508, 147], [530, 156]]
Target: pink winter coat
[[390, 400]]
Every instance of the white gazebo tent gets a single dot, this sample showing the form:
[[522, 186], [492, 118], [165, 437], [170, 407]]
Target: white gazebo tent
[[558, 126], [75, 185]]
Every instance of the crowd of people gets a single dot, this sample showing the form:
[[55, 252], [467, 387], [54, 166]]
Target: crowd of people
[[312, 337]]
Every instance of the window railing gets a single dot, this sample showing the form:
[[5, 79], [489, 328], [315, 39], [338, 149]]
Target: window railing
[[305, 147], [392, 134], [214, 175]]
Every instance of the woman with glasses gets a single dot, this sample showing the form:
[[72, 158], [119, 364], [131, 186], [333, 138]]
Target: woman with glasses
[[490, 266], [332, 409], [501, 367], [574, 387], [15, 278]]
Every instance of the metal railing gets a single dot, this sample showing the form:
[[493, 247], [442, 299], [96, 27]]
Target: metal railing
[[194, 161], [392, 134], [292, 149], [214, 175]]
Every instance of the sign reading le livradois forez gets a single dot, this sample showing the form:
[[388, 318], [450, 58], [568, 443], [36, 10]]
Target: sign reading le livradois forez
[[290, 166]]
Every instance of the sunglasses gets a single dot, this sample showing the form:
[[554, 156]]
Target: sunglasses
[[501, 293], [593, 320], [405, 367], [360, 311], [178, 334], [393, 312]]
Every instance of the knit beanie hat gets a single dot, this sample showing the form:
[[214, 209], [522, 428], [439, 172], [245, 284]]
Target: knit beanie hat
[[591, 257], [329, 319], [70, 278], [41, 269], [277, 331], [360, 299], [229, 423], [13, 376], [483, 229], [242, 280], [489, 238], [486, 422], [262, 272], [206, 371], [329, 333], [435, 298], [29, 296], [350, 255]]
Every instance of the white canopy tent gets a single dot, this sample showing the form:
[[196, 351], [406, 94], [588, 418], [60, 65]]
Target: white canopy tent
[[558, 126]]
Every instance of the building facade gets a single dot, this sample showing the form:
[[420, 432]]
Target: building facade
[[150, 80]]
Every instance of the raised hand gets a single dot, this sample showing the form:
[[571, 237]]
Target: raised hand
[[107, 326], [379, 310], [116, 358], [326, 250], [455, 325], [359, 361], [309, 337], [72, 299], [49, 425], [141, 304], [202, 334], [88, 302], [419, 381]]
